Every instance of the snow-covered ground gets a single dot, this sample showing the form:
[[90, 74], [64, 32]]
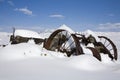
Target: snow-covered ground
[[26, 33], [28, 61], [4, 38]]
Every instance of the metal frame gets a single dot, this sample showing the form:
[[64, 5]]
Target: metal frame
[[82, 40]]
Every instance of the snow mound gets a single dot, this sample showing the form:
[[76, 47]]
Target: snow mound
[[105, 58], [31, 41], [87, 33], [86, 62], [27, 50], [19, 51], [4, 38], [27, 33], [66, 28]]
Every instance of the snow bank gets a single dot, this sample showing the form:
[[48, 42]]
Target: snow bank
[[4, 38], [30, 50], [19, 51], [27, 50], [28, 61], [27, 33], [66, 28], [86, 62]]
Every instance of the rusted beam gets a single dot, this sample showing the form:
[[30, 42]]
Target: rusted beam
[[96, 54]]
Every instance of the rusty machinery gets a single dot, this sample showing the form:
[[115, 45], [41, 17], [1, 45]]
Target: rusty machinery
[[70, 43]]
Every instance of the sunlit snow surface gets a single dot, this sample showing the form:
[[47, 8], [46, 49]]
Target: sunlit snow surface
[[27, 33], [28, 61]]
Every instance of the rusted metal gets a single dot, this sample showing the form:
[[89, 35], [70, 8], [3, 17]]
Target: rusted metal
[[95, 53], [49, 40], [77, 50], [20, 39], [59, 41], [113, 47], [98, 48]]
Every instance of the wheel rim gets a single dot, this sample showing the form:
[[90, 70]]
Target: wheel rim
[[63, 41], [109, 45]]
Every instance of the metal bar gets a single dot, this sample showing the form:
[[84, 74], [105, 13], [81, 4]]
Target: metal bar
[[105, 41], [66, 41], [107, 45], [70, 45]]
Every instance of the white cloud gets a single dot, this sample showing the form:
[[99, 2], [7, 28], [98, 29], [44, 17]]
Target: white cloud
[[10, 3], [24, 10], [56, 16], [109, 26]]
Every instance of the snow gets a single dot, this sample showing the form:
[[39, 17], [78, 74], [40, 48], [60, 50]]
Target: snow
[[28, 61], [27, 33], [4, 38], [86, 50], [26, 50], [65, 27], [87, 33], [87, 62]]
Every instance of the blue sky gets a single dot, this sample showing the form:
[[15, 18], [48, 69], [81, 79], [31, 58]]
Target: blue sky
[[80, 15]]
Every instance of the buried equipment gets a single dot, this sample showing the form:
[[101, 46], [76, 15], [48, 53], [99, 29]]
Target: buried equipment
[[70, 43]]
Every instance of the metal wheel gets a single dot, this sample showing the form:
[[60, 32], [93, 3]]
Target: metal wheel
[[109, 46], [63, 41]]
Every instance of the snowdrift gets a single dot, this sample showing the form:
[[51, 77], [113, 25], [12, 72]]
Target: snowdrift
[[28, 61], [27, 33]]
